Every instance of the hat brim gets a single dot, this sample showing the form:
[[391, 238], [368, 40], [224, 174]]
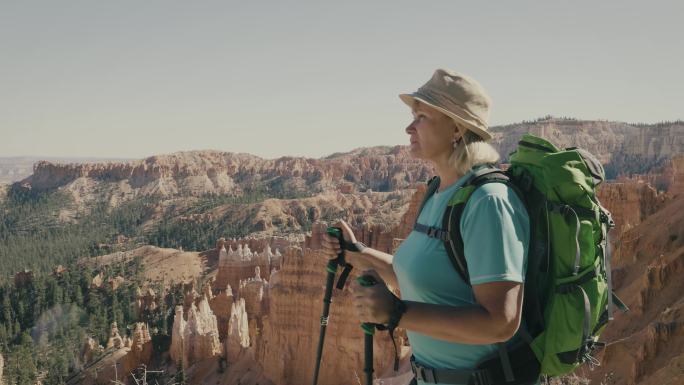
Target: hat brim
[[410, 99]]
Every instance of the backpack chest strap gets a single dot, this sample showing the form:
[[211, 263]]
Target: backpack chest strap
[[432, 232]]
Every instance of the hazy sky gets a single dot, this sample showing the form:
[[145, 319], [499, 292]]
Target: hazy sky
[[137, 78]]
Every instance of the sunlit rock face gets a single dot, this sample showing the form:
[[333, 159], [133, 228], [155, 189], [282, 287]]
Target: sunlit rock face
[[196, 338], [646, 344], [236, 264], [141, 349], [196, 173], [115, 341], [629, 201], [238, 340], [625, 148]]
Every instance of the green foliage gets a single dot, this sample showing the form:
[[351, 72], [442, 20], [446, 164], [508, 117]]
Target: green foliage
[[193, 235], [32, 237], [180, 378], [44, 321], [45, 318]]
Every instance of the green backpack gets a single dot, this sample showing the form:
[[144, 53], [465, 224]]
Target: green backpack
[[568, 297]]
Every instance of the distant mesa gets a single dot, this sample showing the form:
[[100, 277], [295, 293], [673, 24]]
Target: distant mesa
[[624, 148]]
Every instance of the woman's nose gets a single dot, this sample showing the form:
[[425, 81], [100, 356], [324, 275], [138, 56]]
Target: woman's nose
[[410, 128]]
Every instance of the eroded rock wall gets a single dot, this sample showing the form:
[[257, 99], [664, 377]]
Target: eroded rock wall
[[196, 338]]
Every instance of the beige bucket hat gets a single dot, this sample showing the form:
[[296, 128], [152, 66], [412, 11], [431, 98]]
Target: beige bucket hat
[[457, 96]]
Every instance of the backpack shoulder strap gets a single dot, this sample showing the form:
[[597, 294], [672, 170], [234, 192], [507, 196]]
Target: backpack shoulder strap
[[433, 185], [451, 222]]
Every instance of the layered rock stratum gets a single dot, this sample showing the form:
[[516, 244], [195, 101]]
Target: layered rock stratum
[[624, 148], [195, 337], [284, 348], [251, 306]]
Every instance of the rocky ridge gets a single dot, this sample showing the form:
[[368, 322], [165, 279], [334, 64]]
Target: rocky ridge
[[614, 143], [264, 299], [280, 326], [645, 344], [625, 150], [199, 173]]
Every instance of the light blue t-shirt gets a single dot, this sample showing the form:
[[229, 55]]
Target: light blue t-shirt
[[495, 231]]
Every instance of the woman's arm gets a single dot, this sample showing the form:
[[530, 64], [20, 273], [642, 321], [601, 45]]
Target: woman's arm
[[369, 259], [495, 318]]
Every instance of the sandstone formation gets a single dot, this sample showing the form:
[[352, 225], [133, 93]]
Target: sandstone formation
[[89, 349], [97, 280], [115, 341], [285, 345], [221, 304], [238, 264], [623, 148], [140, 345], [646, 344], [292, 217], [160, 265], [260, 313], [16, 168], [275, 317], [196, 338], [202, 172], [629, 202], [123, 353], [669, 178], [115, 282], [238, 331], [146, 300]]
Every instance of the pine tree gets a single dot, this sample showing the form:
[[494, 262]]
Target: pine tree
[[180, 374], [25, 365]]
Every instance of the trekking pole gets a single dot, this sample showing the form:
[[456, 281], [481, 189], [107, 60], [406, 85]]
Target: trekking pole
[[327, 297], [368, 332]]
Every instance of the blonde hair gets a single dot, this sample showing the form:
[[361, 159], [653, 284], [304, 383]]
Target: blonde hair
[[472, 150]]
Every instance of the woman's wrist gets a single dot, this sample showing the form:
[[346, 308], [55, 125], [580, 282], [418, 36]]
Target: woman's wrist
[[360, 246], [399, 307]]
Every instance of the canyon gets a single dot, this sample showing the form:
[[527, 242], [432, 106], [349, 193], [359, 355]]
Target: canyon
[[250, 311], [258, 311]]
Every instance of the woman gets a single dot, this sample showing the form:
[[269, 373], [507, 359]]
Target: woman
[[451, 326]]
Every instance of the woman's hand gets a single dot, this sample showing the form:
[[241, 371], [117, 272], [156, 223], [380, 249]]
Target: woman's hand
[[373, 303], [330, 244]]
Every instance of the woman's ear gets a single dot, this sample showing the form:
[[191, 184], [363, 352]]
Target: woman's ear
[[458, 132]]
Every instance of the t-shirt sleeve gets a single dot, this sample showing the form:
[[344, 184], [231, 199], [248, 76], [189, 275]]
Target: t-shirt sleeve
[[495, 231]]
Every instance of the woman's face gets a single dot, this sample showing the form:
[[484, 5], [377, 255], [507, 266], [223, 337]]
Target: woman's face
[[432, 133]]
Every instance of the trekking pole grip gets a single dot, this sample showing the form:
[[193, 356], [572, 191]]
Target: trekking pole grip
[[337, 233], [339, 261]]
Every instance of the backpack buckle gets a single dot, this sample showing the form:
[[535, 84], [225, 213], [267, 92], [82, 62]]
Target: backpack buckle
[[606, 218]]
